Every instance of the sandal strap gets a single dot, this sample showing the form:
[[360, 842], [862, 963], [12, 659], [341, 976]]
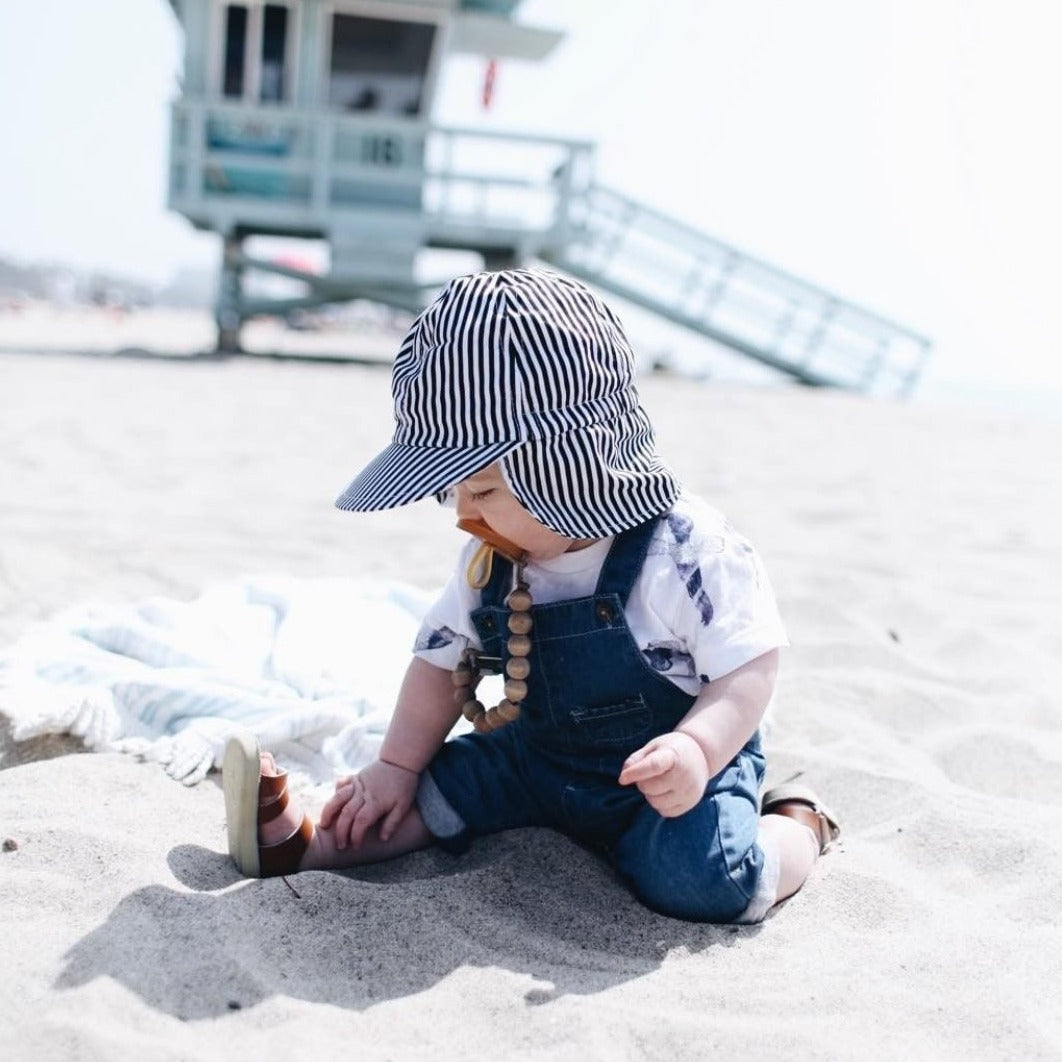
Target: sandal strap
[[271, 786], [801, 804], [814, 820], [275, 860], [273, 807], [283, 857]]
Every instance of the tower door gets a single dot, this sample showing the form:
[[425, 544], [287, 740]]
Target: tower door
[[380, 66]]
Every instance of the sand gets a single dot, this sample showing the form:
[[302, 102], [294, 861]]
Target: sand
[[917, 557]]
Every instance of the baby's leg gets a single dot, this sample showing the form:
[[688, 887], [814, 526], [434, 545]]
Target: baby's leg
[[270, 833], [705, 865], [800, 829], [796, 848], [722, 861], [323, 854]]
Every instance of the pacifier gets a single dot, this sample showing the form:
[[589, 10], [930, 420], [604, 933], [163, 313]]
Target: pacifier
[[482, 562]]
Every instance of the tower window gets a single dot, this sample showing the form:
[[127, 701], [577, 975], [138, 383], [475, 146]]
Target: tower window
[[235, 49], [274, 52]]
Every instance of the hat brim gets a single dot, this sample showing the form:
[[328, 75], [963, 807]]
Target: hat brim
[[402, 474]]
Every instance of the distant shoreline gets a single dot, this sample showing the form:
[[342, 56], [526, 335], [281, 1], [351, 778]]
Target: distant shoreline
[[179, 333]]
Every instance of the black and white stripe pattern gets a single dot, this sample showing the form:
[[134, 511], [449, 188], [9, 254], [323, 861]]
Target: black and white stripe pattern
[[529, 368]]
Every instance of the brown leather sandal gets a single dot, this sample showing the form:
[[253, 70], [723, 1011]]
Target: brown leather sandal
[[252, 799], [802, 804]]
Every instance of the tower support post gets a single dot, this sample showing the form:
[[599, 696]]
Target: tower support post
[[228, 310]]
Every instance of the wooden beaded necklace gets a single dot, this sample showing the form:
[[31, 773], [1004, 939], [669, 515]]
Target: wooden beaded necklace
[[473, 663]]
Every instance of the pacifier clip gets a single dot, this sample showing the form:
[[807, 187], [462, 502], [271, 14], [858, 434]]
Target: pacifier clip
[[473, 663]]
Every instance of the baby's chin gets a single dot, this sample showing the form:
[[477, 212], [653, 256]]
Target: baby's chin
[[559, 548], [553, 547], [546, 553]]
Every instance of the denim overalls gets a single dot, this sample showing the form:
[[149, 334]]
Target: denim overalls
[[593, 699]]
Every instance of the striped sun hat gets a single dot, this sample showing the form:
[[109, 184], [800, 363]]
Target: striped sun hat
[[530, 369]]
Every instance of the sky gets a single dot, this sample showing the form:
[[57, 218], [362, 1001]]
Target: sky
[[902, 154]]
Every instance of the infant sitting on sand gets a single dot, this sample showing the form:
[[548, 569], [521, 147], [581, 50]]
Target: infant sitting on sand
[[637, 631]]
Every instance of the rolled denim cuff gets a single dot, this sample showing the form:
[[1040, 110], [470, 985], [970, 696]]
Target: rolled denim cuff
[[443, 823], [766, 895]]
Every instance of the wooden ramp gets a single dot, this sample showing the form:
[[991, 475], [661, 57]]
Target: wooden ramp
[[661, 264]]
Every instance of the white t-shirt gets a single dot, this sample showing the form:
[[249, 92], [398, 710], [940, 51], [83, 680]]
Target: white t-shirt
[[701, 606]]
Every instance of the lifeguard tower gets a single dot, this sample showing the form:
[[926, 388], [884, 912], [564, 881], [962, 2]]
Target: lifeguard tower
[[312, 119]]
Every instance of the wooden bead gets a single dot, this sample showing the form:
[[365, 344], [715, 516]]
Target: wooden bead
[[518, 667], [519, 645], [519, 600], [520, 622], [471, 710], [515, 690], [507, 710]]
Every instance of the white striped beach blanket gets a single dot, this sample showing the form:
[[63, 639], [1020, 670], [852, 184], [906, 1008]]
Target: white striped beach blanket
[[310, 666]]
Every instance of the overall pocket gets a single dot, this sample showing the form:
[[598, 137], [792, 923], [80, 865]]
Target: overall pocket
[[626, 723]]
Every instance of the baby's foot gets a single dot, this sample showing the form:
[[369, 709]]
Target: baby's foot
[[290, 817], [800, 803]]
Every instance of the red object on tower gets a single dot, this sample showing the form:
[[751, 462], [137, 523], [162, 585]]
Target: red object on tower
[[488, 82]]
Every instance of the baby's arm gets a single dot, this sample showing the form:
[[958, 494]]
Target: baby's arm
[[385, 790], [673, 770]]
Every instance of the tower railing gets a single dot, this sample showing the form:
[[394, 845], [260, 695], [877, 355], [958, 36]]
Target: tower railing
[[292, 171]]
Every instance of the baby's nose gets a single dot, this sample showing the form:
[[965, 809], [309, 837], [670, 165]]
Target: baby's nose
[[466, 507]]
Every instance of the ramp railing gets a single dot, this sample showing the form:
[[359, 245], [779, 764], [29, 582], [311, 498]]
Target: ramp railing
[[733, 298]]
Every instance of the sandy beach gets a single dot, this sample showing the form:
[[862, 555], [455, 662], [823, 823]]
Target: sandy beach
[[917, 557]]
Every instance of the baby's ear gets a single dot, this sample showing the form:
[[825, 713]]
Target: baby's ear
[[447, 498]]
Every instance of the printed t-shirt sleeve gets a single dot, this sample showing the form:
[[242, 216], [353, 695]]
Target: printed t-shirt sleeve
[[446, 630], [726, 613]]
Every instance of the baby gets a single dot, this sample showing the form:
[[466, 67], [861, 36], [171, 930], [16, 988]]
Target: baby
[[636, 630]]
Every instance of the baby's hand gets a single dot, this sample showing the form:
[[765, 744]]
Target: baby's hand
[[381, 791], [670, 771]]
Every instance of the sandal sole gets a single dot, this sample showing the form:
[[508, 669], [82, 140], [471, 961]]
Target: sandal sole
[[240, 776]]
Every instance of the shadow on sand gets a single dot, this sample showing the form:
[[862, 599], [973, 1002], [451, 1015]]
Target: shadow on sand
[[529, 901]]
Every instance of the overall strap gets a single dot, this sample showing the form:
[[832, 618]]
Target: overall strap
[[625, 560]]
